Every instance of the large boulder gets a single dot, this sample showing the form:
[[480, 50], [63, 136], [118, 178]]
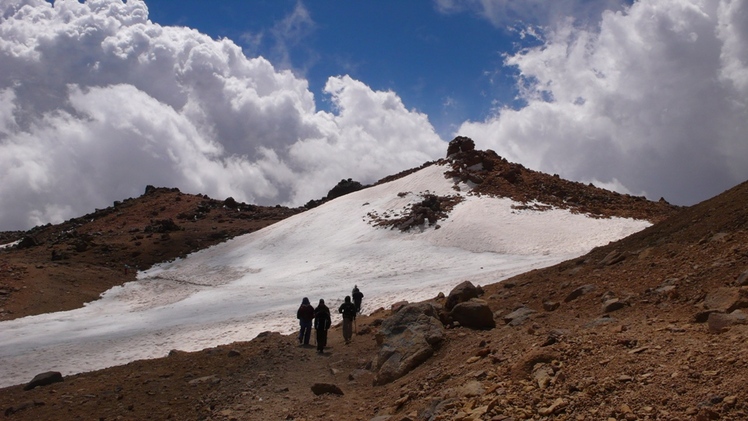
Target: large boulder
[[407, 338], [474, 314], [413, 316], [461, 293], [44, 379]]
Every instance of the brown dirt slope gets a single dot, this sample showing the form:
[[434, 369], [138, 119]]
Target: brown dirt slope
[[647, 328]]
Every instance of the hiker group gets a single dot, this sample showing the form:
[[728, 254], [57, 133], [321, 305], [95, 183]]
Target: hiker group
[[320, 319]]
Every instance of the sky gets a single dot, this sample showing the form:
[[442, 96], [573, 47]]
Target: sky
[[274, 102], [254, 283]]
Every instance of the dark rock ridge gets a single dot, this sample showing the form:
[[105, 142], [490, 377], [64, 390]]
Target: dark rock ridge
[[490, 174]]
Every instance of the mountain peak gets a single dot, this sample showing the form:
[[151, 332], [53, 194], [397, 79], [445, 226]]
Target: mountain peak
[[490, 174]]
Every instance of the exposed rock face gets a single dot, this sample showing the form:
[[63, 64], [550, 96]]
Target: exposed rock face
[[461, 293], [474, 314], [407, 339]]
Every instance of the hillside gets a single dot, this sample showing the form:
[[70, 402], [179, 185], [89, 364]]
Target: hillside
[[648, 327], [61, 267]]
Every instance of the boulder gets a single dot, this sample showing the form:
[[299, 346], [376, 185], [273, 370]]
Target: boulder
[[323, 388], [44, 379], [401, 354], [407, 338], [461, 293], [473, 314]]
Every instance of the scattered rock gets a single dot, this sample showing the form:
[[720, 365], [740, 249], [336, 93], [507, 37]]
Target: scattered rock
[[612, 258], [326, 388], [612, 305], [523, 368], [556, 407], [584, 289], [551, 305], [518, 316], [14, 409], [543, 374], [743, 279], [205, 379], [605, 320]]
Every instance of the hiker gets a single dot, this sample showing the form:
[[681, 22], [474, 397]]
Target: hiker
[[322, 322], [348, 309], [305, 314], [357, 297]]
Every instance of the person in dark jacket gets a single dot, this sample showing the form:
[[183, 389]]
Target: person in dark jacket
[[348, 309], [322, 323], [357, 297], [305, 314]]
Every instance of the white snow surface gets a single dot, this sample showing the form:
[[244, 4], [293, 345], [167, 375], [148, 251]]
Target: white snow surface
[[254, 283]]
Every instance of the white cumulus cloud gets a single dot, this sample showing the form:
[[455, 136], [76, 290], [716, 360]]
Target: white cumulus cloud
[[531, 12], [96, 102], [651, 101]]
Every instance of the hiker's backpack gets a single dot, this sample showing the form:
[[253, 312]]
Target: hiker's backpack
[[348, 310]]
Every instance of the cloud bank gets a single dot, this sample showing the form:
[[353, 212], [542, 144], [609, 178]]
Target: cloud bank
[[652, 100], [96, 102]]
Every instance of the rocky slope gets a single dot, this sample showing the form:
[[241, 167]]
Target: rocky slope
[[61, 267], [649, 327]]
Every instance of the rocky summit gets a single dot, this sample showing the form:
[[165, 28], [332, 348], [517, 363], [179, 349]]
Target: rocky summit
[[651, 327]]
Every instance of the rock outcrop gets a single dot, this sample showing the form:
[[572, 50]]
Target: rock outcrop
[[407, 339]]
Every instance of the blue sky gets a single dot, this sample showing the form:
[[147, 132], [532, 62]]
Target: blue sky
[[447, 65], [274, 102]]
